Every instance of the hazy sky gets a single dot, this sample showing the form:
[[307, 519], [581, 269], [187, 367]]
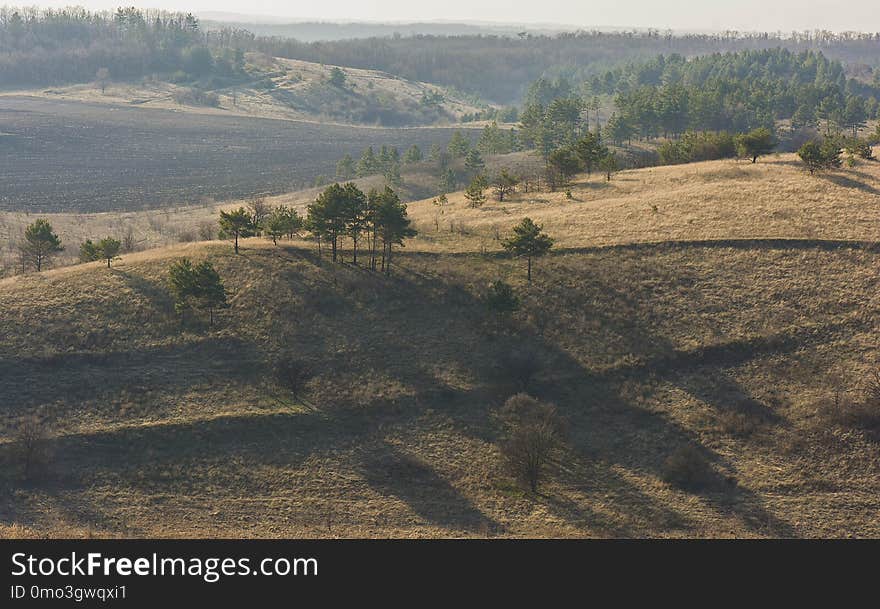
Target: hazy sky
[[785, 15]]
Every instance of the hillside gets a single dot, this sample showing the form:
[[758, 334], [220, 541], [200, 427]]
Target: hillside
[[285, 89], [720, 306]]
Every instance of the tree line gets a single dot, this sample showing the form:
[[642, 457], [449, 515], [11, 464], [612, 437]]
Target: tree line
[[69, 45], [501, 67]]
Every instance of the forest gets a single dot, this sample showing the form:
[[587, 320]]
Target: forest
[[70, 45]]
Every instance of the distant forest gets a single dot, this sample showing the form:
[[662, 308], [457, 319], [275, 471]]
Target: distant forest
[[500, 68], [50, 47], [733, 92], [44, 47]]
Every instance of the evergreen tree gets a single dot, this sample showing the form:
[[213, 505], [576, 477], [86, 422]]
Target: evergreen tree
[[345, 168], [109, 249], [89, 252], [504, 184], [590, 150], [40, 243], [528, 240], [755, 143], [368, 164], [236, 224], [458, 145], [413, 155], [474, 193], [473, 162]]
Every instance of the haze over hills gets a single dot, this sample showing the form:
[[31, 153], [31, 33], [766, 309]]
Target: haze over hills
[[280, 279]]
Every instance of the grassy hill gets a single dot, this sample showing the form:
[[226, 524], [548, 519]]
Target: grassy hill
[[288, 89], [727, 308]]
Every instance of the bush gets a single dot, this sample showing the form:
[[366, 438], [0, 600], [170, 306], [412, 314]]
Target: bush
[[521, 366], [501, 299], [534, 436], [30, 441], [687, 468], [693, 147], [197, 97], [293, 375], [861, 412]]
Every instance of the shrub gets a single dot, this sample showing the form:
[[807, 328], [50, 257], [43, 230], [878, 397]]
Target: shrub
[[862, 412], [521, 366], [501, 299], [30, 440], [293, 375], [694, 147], [534, 436], [196, 97], [688, 468]]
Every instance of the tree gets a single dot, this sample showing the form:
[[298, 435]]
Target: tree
[[293, 375], [367, 165], [196, 286], [335, 213], [561, 165], [283, 221], [89, 252], [501, 299], [819, 156], [40, 243], [755, 143], [109, 249], [590, 150], [260, 211], [236, 223], [528, 240], [504, 184], [474, 193], [30, 440], [389, 222], [345, 168], [534, 436], [855, 115], [210, 292], [474, 162], [458, 145], [413, 155], [392, 174], [337, 78], [356, 216], [608, 164], [811, 155], [102, 77]]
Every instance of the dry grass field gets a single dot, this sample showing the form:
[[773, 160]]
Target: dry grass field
[[286, 89], [724, 307]]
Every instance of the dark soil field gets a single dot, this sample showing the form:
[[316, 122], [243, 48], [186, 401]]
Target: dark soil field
[[73, 156]]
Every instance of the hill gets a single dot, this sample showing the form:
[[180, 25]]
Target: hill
[[736, 319], [279, 88]]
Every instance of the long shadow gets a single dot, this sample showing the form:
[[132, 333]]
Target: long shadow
[[88, 376], [446, 331], [848, 182], [394, 473]]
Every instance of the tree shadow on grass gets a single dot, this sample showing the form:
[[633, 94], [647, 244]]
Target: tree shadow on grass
[[392, 472], [445, 330]]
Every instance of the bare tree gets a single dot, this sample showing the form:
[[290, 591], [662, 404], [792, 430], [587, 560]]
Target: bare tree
[[535, 435], [31, 438]]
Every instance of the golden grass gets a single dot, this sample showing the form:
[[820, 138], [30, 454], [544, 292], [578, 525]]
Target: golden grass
[[728, 199], [291, 77], [715, 338]]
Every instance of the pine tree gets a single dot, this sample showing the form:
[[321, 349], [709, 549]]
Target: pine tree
[[237, 223], [474, 193], [528, 240], [40, 243]]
